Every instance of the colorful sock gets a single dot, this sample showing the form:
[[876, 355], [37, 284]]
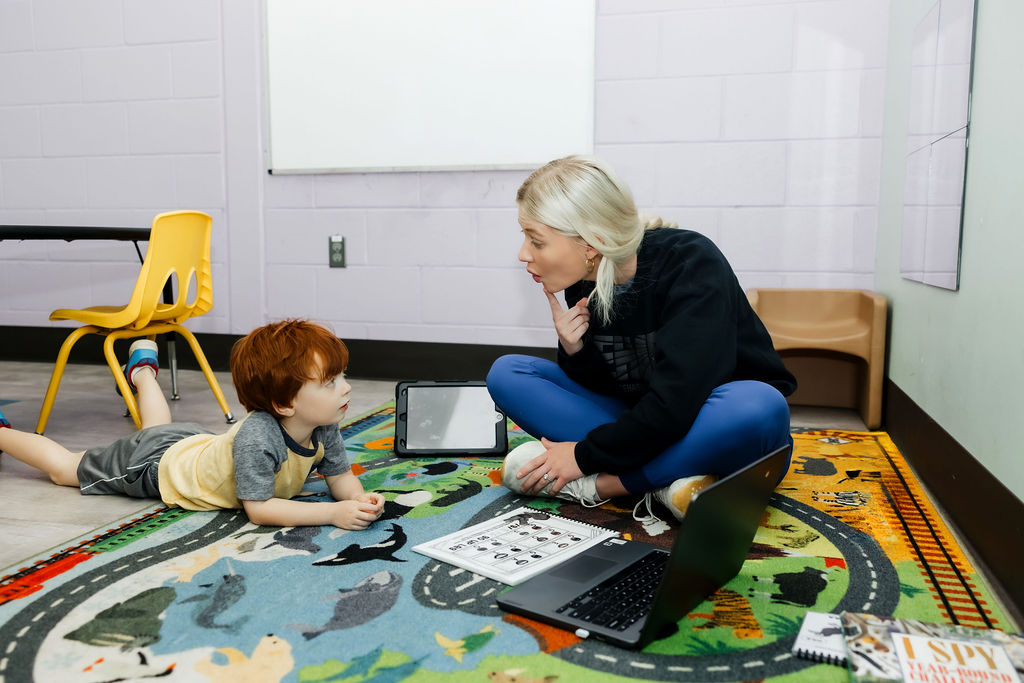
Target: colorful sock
[[142, 354], [3, 421]]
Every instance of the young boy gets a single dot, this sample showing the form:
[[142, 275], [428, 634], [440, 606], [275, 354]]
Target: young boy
[[288, 375]]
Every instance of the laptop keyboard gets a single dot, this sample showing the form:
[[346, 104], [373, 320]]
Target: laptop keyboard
[[620, 600]]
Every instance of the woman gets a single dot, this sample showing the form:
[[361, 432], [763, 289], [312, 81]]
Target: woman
[[666, 379]]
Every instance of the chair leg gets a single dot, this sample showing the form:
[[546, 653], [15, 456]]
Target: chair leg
[[58, 373], [172, 361], [122, 383], [207, 371]]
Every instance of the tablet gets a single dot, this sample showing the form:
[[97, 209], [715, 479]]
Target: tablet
[[447, 418]]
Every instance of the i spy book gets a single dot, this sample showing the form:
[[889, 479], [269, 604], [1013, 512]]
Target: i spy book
[[890, 649]]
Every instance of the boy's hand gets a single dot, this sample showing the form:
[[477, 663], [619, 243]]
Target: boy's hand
[[374, 499], [355, 514]]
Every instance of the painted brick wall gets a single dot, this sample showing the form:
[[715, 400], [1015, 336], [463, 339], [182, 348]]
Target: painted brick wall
[[110, 112], [757, 123]]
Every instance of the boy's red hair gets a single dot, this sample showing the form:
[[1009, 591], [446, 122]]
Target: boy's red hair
[[270, 364]]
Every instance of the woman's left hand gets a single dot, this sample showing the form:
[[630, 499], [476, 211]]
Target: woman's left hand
[[558, 462]]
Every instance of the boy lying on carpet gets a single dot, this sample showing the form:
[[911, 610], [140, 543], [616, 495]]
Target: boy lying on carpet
[[288, 375]]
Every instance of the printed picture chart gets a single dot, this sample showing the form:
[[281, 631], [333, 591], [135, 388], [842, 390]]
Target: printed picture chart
[[516, 545]]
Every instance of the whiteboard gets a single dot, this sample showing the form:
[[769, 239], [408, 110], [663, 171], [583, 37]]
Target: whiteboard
[[393, 85]]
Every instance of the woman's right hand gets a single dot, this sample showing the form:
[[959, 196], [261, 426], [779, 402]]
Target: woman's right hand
[[570, 324]]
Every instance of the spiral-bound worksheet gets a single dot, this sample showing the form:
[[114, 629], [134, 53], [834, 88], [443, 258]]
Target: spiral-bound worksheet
[[516, 545]]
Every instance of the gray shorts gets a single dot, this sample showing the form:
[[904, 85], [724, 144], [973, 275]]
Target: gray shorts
[[130, 465]]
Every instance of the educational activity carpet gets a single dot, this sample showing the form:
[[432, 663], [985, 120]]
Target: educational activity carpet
[[207, 596]]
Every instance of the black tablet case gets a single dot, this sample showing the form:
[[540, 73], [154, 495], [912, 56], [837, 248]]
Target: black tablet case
[[402, 422]]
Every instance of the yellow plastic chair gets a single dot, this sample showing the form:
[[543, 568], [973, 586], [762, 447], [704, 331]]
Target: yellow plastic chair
[[179, 246], [833, 341]]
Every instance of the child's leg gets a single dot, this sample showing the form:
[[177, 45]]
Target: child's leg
[[541, 399], [141, 370], [153, 408], [43, 454], [739, 423]]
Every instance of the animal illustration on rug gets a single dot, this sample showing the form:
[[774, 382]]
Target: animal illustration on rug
[[367, 600], [730, 610], [816, 467], [456, 649], [111, 669], [842, 499], [403, 503], [861, 475], [354, 554], [361, 667], [270, 661], [436, 469], [790, 536], [766, 523], [198, 561], [230, 590], [515, 676], [297, 538], [467, 489], [257, 533], [795, 588], [131, 624], [247, 546]]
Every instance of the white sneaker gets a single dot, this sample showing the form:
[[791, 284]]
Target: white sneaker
[[676, 496], [582, 490]]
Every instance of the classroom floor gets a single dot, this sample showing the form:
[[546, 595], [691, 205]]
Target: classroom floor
[[36, 515]]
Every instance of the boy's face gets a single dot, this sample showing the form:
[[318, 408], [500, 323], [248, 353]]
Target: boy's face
[[322, 402]]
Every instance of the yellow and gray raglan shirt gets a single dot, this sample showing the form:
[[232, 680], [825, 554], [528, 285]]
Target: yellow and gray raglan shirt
[[254, 460]]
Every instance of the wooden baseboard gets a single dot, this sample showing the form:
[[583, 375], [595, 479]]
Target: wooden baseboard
[[986, 514], [369, 359]]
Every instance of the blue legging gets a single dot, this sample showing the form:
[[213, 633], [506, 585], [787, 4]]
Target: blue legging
[[740, 421]]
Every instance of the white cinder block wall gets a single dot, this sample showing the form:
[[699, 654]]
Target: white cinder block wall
[[755, 122]]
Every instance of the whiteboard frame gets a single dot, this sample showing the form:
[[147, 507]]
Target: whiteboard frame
[[298, 142]]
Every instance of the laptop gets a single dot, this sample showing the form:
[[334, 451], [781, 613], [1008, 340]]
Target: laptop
[[630, 593]]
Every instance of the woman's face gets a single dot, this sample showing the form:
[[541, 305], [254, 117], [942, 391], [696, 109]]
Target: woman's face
[[554, 260]]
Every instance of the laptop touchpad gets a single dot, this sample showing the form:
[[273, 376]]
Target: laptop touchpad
[[582, 568]]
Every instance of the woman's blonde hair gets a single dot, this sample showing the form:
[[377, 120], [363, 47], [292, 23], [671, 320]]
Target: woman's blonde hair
[[582, 198]]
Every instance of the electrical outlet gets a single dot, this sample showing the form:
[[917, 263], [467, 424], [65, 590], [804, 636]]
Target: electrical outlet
[[336, 251]]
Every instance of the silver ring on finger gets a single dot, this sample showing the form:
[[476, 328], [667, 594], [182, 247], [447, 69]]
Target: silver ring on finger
[[545, 476]]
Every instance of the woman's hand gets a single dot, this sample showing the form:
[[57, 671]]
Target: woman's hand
[[569, 324], [558, 462]]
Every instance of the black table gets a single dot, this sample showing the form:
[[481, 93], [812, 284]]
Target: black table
[[69, 233]]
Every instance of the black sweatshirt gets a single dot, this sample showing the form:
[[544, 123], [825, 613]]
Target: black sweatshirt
[[681, 327]]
